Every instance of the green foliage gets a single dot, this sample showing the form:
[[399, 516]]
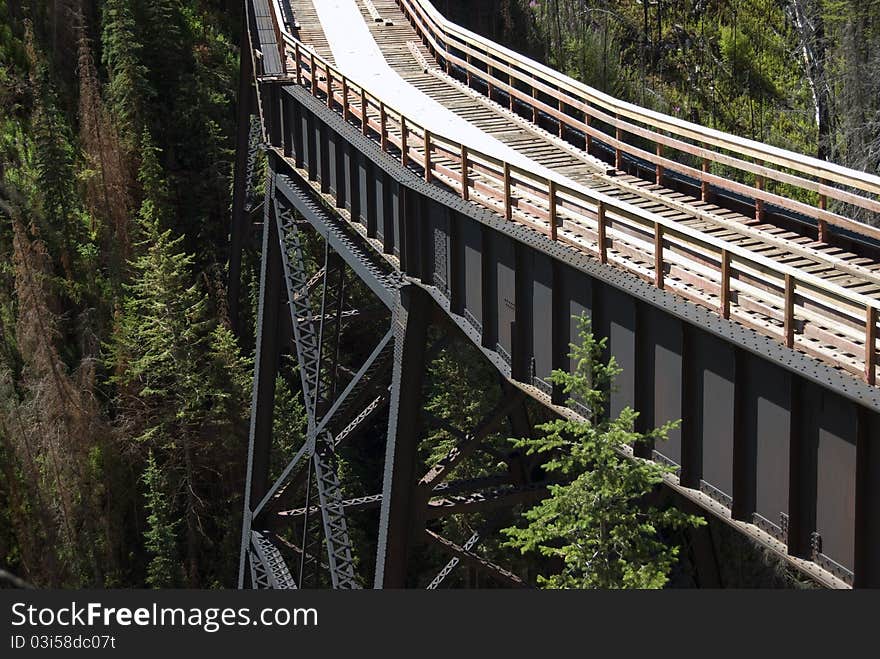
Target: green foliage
[[163, 570], [730, 65], [101, 257], [181, 379], [123, 57], [165, 326], [743, 64], [599, 523]]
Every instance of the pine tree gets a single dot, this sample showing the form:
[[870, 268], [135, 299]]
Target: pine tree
[[53, 157], [160, 341], [181, 379], [163, 570], [598, 524], [129, 91]]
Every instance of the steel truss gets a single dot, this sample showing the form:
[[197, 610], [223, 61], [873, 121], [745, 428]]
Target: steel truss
[[309, 256]]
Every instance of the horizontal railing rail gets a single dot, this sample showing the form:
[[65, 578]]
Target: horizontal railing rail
[[802, 310], [504, 70]]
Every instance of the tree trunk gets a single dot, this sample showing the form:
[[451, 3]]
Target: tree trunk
[[808, 20]]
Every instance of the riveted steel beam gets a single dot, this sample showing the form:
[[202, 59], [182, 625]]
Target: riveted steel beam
[[502, 576]]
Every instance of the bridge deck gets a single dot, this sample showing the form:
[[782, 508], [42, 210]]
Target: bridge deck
[[824, 331]]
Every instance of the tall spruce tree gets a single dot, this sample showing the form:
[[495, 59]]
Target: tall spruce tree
[[129, 90], [163, 570], [181, 379], [599, 524]]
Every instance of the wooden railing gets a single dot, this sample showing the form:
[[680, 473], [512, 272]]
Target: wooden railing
[[556, 95], [800, 309]]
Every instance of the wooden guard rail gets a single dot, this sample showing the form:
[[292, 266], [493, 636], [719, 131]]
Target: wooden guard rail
[[501, 69], [796, 307]]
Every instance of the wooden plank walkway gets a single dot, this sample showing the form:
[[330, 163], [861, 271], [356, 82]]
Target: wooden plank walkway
[[823, 329]]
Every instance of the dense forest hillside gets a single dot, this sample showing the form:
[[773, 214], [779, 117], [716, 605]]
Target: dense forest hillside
[[124, 396]]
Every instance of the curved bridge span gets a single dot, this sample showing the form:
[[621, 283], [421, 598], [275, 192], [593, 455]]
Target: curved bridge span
[[471, 189]]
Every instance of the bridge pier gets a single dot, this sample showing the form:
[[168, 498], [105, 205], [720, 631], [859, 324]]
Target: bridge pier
[[398, 518], [268, 353]]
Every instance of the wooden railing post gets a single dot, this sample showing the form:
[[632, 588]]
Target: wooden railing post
[[658, 255], [468, 58], [365, 120], [508, 206], [383, 126], [404, 155], [788, 315], [822, 224], [871, 346], [329, 89], [759, 203], [704, 184], [314, 72], [535, 106], [618, 152], [346, 114], [725, 284], [465, 193], [561, 107], [658, 169], [510, 91], [297, 57], [427, 156], [588, 139], [603, 247], [551, 203]]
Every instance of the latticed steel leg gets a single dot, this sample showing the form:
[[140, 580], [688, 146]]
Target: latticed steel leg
[[268, 565], [339, 550], [306, 334], [330, 322], [317, 346]]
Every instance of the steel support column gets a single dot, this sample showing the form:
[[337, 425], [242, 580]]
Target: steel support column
[[398, 514], [241, 177], [265, 372]]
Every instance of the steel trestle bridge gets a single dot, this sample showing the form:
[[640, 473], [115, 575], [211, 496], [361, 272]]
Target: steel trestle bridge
[[734, 290]]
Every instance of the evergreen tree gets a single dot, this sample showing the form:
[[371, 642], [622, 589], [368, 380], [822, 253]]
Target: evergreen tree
[[182, 381], [598, 524], [173, 381], [129, 90], [54, 194], [164, 568], [107, 169]]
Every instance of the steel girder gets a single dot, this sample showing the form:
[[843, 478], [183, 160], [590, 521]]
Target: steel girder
[[268, 569]]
